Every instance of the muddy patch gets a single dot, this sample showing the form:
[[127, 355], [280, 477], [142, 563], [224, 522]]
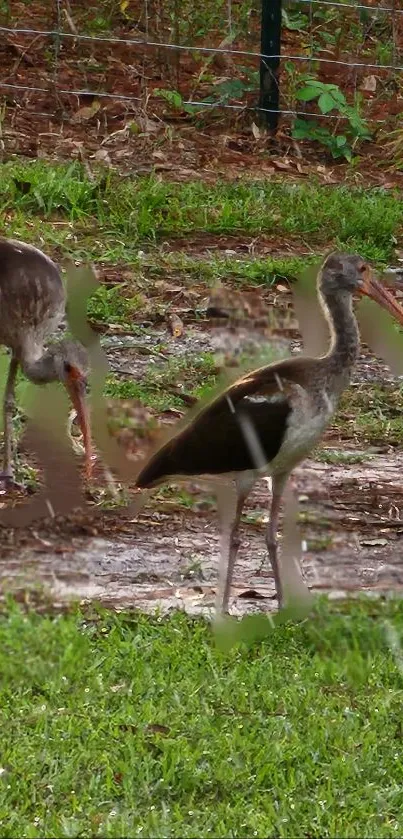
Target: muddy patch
[[351, 523], [351, 515]]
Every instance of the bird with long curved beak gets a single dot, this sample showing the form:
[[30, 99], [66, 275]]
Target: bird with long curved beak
[[32, 305], [268, 422], [75, 382], [77, 393]]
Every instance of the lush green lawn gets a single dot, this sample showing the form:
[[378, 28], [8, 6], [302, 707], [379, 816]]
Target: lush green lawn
[[125, 725]]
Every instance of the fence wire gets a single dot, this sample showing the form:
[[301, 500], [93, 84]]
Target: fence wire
[[171, 59]]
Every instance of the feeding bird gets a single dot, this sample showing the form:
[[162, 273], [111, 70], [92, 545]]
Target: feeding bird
[[268, 421], [32, 305]]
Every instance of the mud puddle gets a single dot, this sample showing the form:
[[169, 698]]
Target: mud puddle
[[351, 524]]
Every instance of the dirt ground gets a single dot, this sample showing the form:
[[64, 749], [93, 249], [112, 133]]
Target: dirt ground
[[169, 559], [351, 525]]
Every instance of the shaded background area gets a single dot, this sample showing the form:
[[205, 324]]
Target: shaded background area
[[75, 76]]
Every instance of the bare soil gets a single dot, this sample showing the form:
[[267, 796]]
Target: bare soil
[[351, 520], [351, 536]]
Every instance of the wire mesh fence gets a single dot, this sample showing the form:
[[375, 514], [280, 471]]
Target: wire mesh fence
[[203, 60]]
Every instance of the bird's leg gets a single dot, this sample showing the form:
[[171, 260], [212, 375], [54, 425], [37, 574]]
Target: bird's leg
[[230, 510], [271, 533], [7, 475], [288, 579], [295, 591], [230, 501]]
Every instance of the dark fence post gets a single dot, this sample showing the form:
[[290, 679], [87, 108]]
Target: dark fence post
[[270, 45]]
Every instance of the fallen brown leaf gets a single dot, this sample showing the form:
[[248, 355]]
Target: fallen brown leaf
[[372, 543], [369, 84], [256, 131], [155, 728], [285, 163], [86, 113], [251, 594]]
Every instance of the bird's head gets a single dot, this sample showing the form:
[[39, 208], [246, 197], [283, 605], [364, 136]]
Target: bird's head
[[71, 367], [345, 275], [70, 361]]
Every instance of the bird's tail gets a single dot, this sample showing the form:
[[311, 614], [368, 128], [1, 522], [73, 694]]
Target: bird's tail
[[155, 469]]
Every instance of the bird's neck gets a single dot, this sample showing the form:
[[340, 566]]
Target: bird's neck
[[345, 337], [39, 370]]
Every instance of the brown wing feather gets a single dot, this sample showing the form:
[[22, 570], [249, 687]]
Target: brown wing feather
[[32, 295], [214, 442]]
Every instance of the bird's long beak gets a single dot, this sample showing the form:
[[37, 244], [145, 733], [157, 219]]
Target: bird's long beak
[[376, 291], [76, 388]]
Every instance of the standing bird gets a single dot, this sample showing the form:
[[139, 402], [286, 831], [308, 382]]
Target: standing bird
[[268, 421], [32, 305]]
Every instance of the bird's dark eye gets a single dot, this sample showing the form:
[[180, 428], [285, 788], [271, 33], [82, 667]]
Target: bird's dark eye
[[67, 367], [362, 268]]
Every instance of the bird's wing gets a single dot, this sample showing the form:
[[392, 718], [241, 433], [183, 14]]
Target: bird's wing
[[239, 430], [31, 291]]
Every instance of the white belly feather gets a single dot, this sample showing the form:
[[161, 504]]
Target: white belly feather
[[304, 430]]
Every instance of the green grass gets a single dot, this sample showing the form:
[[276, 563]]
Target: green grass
[[125, 725], [194, 374], [145, 292], [212, 268], [320, 544], [109, 305], [340, 458], [371, 414], [137, 210]]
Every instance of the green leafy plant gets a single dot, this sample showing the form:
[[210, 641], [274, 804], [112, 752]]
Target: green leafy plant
[[329, 98], [175, 100], [230, 89], [294, 20]]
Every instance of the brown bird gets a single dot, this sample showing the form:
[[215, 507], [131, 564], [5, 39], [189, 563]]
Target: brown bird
[[32, 304], [268, 421]]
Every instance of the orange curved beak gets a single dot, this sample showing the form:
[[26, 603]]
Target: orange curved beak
[[370, 287], [76, 388]]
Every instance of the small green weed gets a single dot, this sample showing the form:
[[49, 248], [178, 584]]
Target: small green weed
[[235, 89], [371, 414], [329, 98], [158, 387], [340, 458], [174, 100]]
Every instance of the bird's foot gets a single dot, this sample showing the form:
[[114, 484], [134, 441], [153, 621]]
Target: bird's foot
[[8, 484], [260, 571]]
